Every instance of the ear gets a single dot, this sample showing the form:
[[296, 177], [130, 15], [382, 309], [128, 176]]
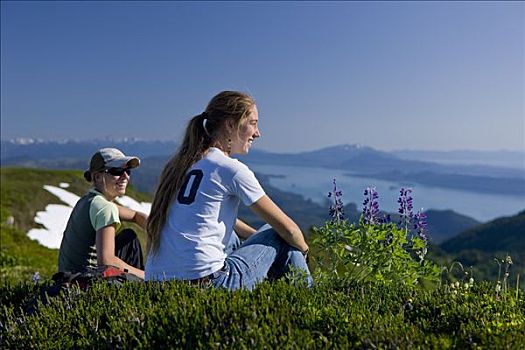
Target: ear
[[97, 177], [229, 126]]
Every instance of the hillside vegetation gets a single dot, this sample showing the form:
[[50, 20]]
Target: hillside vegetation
[[480, 245], [22, 195], [274, 316], [384, 309]]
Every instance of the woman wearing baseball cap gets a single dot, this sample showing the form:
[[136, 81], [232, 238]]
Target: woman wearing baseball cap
[[90, 240]]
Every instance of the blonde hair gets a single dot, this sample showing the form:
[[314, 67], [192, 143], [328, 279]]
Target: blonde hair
[[203, 131]]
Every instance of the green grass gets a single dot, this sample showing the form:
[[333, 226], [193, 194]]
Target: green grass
[[278, 315], [22, 196]]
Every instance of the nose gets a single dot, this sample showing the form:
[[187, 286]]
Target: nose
[[125, 175], [257, 133]]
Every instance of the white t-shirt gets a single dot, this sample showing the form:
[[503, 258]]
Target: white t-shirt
[[201, 219]]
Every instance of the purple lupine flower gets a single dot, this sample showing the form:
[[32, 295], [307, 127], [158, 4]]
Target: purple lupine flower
[[371, 206], [386, 219], [420, 225], [405, 207], [337, 209], [36, 277]]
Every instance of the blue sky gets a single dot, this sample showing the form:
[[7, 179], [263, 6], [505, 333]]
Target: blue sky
[[391, 75]]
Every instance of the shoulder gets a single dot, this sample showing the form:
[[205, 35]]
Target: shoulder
[[100, 203], [217, 159], [103, 213]]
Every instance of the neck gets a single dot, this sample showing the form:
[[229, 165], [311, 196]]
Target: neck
[[222, 148], [105, 193]]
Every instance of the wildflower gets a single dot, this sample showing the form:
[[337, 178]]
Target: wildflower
[[337, 209], [422, 253], [420, 224], [405, 207], [36, 277], [371, 206], [508, 260]]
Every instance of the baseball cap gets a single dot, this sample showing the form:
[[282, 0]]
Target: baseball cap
[[106, 158]]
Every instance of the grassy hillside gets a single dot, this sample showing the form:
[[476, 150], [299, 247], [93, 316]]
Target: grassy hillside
[[480, 245], [22, 196], [336, 313], [503, 234], [22, 193], [445, 224]]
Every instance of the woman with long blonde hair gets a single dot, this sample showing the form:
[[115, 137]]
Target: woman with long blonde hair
[[193, 230]]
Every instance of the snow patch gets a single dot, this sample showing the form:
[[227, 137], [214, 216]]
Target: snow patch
[[63, 185], [53, 218], [129, 202], [65, 196]]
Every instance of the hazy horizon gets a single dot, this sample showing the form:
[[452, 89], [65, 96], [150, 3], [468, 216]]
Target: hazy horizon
[[426, 76], [30, 140]]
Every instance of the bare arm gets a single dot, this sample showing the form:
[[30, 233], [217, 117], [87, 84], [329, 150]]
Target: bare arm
[[131, 215], [105, 243], [266, 209], [243, 229]]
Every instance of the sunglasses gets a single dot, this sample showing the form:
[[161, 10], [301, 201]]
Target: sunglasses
[[118, 171]]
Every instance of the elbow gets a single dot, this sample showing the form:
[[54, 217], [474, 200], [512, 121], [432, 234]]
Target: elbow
[[106, 260], [293, 231]]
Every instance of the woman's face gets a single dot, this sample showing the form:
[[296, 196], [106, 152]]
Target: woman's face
[[247, 132], [112, 186]]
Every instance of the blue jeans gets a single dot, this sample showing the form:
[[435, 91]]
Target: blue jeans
[[263, 255]]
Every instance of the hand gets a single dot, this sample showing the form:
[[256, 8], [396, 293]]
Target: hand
[[305, 254]]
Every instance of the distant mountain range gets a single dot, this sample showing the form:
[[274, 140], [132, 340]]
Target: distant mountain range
[[366, 160], [356, 159], [35, 150], [506, 159]]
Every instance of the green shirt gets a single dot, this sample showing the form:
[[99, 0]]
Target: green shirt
[[92, 212]]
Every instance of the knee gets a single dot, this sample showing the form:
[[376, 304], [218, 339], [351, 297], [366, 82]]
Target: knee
[[268, 232], [264, 227], [295, 253]]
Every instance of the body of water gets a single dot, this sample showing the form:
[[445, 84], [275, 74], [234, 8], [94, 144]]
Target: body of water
[[315, 183]]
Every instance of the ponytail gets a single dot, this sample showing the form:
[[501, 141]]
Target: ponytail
[[203, 131], [196, 141]]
